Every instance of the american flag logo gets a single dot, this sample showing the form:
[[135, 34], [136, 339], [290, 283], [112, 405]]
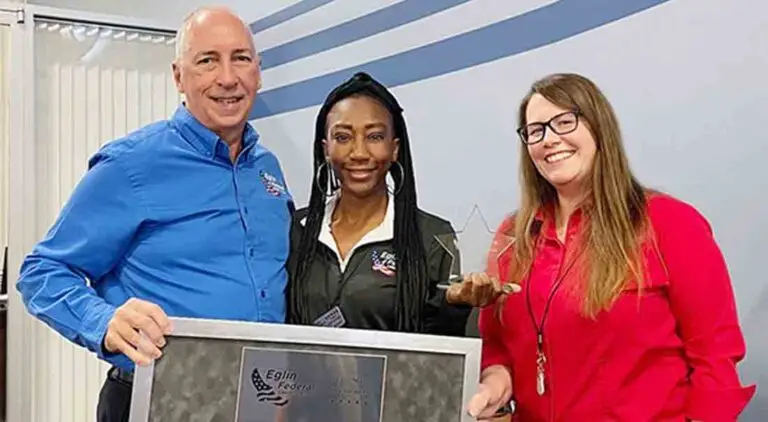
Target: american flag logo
[[383, 262], [273, 186], [264, 391]]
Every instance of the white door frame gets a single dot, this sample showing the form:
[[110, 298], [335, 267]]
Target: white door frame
[[23, 187]]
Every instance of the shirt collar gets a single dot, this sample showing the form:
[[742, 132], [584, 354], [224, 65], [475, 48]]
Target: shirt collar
[[384, 232], [546, 217], [205, 140]]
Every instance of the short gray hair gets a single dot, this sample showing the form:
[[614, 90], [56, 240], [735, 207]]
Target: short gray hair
[[182, 33]]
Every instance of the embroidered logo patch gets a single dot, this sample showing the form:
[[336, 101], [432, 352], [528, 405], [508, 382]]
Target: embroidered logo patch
[[271, 183], [383, 262]]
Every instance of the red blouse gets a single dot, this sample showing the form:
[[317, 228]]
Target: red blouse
[[669, 354]]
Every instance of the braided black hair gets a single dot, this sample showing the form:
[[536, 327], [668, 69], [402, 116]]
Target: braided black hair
[[412, 281]]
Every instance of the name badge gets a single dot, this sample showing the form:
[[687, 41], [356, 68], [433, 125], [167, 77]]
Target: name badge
[[332, 318]]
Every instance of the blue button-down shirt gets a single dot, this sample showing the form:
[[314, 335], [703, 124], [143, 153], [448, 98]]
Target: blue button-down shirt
[[164, 215]]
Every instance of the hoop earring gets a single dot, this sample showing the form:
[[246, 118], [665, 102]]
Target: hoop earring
[[402, 179], [331, 187]]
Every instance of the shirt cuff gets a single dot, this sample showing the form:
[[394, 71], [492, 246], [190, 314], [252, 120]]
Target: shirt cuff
[[97, 322], [490, 360], [96, 340], [718, 405]]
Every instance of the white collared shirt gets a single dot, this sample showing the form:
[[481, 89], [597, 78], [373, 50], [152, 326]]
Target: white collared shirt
[[383, 232]]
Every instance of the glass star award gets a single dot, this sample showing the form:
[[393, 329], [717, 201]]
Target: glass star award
[[473, 249], [501, 244], [450, 268]]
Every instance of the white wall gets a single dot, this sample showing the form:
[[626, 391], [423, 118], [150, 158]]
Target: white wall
[[171, 13], [686, 78]]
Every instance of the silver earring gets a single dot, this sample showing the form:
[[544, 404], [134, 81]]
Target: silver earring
[[398, 187], [332, 185]]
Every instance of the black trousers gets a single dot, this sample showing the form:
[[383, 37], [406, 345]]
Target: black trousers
[[115, 398]]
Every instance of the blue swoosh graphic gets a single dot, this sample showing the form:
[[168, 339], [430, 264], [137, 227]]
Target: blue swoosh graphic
[[286, 14], [393, 16], [518, 34]]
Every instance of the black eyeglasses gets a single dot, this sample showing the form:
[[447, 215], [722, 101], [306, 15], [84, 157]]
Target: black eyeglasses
[[561, 124]]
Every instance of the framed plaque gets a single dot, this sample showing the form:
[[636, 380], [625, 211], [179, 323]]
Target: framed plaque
[[228, 371]]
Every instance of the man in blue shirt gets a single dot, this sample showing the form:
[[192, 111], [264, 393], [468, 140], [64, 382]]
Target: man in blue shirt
[[185, 217]]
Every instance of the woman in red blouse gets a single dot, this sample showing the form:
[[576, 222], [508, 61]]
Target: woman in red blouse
[[622, 307]]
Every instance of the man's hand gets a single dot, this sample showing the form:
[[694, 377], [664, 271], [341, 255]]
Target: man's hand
[[138, 330], [478, 290]]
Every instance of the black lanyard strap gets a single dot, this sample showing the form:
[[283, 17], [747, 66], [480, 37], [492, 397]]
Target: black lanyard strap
[[539, 327]]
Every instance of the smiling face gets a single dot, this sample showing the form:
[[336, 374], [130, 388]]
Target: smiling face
[[565, 160], [218, 72], [360, 144]]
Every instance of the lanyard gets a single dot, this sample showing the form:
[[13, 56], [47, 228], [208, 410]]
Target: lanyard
[[541, 358]]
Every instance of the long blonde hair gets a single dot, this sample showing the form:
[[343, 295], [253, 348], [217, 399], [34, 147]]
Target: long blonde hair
[[615, 212]]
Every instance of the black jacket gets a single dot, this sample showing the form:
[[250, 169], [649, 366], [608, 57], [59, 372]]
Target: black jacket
[[365, 291]]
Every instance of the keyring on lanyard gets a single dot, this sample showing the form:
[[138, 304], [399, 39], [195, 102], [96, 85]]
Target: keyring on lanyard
[[541, 358]]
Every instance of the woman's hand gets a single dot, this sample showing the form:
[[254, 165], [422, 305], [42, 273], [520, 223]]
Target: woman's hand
[[478, 290], [494, 391]]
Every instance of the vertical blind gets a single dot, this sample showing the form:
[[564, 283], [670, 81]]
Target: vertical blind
[[92, 85], [5, 48]]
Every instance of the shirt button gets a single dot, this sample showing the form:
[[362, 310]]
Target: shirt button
[[263, 294], [245, 210], [250, 252]]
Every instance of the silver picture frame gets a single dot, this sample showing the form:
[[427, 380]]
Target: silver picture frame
[[200, 334]]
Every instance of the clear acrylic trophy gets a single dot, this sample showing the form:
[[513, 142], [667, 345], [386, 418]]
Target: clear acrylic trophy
[[475, 248]]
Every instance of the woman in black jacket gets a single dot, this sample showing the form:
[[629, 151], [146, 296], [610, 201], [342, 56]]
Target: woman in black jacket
[[363, 254]]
